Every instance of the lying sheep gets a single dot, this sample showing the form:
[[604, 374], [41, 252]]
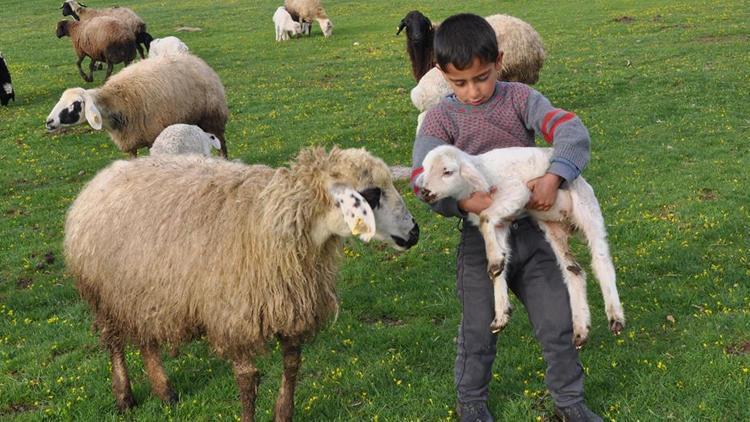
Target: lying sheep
[[136, 104], [167, 45], [128, 17], [184, 139], [173, 248], [6, 85], [284, 25], [305, 11], [450, 172], [101, 39]]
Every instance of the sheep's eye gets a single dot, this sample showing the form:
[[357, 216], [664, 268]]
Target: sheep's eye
[[447, 173]]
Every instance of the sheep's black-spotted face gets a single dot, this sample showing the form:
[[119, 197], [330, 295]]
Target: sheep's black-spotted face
[[67, 10], [68, 111]]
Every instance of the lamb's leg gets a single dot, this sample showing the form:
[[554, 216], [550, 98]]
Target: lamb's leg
[[120, 379], [574, 277], [284, 409], [151, 356], [247, 383]]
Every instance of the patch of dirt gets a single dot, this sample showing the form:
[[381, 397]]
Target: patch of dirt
[[739, 349], [716, 39], [707, 195], [624, 19], [385, 320], [16, 408], [24, 283]]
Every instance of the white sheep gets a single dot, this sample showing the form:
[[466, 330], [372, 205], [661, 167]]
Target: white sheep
[[6, 85], [184, 139], [102, 39], [172, 248], [451, 172], [136, 104], [167, 45], [284, 25], [305, 11]]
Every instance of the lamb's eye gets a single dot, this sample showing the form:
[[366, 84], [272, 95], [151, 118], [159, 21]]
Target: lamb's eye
[[447, 173]]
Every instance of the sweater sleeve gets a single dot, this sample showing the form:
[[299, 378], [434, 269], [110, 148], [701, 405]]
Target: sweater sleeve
[[435, 131], [564, 130]]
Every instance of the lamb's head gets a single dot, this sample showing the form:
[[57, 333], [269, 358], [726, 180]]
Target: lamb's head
[[326, 26], [364, 202], [448, 172], [69, 8], [76, 105], [209, 141]]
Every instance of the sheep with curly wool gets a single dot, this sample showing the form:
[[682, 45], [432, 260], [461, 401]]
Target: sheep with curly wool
[[167, 249], [103, 39], [135, 105], [134, 22], [451, 172], [184, 139], [305, 11], [167, 45], [6, 86]]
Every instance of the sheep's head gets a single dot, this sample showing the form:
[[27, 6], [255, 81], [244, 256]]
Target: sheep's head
[[447, 172], [75, 107], [326, 26], [210, 141], [364, 202], [69, 8], [417, 26], [63, 28]]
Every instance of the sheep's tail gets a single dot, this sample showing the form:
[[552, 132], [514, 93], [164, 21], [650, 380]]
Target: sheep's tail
[[144, 38]]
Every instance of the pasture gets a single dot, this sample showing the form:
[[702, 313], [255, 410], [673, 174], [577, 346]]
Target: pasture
[[663, 87]]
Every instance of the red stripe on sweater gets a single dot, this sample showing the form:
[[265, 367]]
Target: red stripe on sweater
[[416, 172], [549, 136], [547, 117]]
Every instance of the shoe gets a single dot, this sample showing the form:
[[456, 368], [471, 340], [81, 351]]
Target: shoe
[[578, 412], [475, 411]]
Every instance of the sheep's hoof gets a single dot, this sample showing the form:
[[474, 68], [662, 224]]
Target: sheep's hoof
[[616, 327], [581, 337], [125, 404], [500, 321]]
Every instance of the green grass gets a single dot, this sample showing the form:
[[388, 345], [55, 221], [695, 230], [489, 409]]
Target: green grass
[[663, 88]]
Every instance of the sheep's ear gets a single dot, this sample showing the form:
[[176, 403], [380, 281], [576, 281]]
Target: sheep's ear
[[473, 177], [93, 116], [356, 211]]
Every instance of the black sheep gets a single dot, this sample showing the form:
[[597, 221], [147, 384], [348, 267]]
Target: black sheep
[[6, 87]]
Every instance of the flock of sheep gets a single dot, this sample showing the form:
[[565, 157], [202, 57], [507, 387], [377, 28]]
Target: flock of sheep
[[241, 254]]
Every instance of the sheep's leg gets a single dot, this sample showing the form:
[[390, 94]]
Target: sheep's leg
[[80, 69], [574, 277], [140, 50], [151, 356], [110, 66], [120, 379], [247, 383], [587, 216], [284, 409]]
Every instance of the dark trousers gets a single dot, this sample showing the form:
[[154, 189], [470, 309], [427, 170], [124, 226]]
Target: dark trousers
[[535, 278]]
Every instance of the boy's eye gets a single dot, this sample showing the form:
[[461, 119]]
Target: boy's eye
[[483, 78], [459, 83]]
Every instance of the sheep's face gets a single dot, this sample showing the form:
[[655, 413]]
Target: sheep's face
[[326, 26], [62, 29], [67, 9], [417, 26], [69, 111], [444, 175], [210, 141], [296, 28]]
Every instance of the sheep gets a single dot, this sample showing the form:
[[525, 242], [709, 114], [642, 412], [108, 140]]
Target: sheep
[[136, 104], [184, 139], [101, 39], [304, 11], [6, 85], [420, 35], [451, 172], [128, 17], [166, 249], [284, 24], [167, 45]]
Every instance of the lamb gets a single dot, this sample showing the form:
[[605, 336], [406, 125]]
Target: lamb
[[284, 25], [184, 139], [305, 11], [166, 249], [127, 16], [167, 45], [103, 39], [450, 172], [6, 85], [136, 104]]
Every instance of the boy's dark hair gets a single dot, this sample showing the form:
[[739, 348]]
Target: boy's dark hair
[[463, 37]]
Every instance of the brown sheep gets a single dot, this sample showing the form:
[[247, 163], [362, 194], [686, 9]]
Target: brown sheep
[[101, 39], [166, 249]]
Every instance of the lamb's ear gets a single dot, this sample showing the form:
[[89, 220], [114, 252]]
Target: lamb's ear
[[93, 116], [473, 177], [356, 211]]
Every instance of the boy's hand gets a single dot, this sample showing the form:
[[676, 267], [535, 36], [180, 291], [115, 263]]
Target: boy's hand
[[477, 202], [543, 191]]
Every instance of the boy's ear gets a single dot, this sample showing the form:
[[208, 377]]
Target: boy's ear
[[499, 61]]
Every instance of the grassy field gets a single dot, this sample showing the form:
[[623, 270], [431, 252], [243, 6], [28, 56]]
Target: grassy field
[[663, 87]]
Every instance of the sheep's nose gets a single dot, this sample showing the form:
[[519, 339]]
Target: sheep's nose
[[50, 124]]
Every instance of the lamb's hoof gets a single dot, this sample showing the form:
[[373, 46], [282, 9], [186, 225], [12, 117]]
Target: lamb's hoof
[[495, 269], [580, 337], [500, 321], [616, 327]]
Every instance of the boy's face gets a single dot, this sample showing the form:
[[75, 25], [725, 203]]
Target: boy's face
[[475, 84]]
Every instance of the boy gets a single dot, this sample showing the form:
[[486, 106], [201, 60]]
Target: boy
[[481, 115]]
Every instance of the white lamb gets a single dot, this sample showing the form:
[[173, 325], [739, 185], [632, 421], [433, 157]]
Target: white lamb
[[450, 172], [167, 45], [284, 24], [184, 139]]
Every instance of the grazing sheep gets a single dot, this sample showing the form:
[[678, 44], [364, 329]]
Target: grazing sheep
[[284, 25], [6, 85], [184, 139], [136, 104], [101, 39], [167, 45], [171, 248], [450, 172], [305, 11], [127, 16]]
